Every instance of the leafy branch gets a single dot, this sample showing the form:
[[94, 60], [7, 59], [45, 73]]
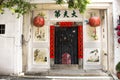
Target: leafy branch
[[16, 6], [75, 4], [21, 7]]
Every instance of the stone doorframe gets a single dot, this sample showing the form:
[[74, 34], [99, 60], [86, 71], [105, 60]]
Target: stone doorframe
[[102, 6], [80, 44]]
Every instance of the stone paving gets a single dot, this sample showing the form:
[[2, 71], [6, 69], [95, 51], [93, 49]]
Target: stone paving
[[58, 78], [63, 75]]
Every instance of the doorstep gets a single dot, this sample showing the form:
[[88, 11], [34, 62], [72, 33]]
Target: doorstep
[[26, 77], [63, 75], [58, 78], [70, 72], [62, 72]]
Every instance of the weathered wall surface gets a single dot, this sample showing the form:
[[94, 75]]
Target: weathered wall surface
[[10, 46], [116, 14], [49, 1]]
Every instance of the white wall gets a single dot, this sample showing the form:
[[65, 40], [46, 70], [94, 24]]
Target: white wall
[[116, 13], [10, 46], [53, 1]]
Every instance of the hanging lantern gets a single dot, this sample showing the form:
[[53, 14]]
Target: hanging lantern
[[118, 27], [118, 33], [94, 21], [119, 40], [39, 21]]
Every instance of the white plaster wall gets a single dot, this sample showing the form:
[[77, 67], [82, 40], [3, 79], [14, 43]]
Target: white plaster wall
[[52, 1], [116, 13], [10, 45]]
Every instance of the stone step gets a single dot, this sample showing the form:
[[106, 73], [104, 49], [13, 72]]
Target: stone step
[[77, 72], [68, 78], [81, 78], [64, 66], [58, 78]]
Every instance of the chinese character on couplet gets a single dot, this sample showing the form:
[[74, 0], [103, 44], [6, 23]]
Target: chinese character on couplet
[[66, 14], [57, 13], [74, 14]]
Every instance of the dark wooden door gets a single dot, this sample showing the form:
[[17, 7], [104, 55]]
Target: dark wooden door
[[66, 41]]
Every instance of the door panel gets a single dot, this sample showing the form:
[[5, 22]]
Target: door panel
[[66, 40]]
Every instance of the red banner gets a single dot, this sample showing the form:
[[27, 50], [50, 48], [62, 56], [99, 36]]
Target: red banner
[[80, 41], [66, 24], [52, 40]]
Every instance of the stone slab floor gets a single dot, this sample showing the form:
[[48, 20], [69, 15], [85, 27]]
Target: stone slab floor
[[63, 75]]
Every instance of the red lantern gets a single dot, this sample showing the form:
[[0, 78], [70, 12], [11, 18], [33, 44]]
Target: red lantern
[[38, 21], [118, 33], [94, 21], [118, 27], [119, 40]]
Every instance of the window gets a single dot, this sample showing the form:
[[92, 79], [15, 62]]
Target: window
[[2, 28]]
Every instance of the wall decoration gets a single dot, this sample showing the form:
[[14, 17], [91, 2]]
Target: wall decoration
[[80, 41], [39, 25], [93, 34], [94, 21], [65, 14], [39, 34], [59, 13], [92, 56], [40, 55], [93, 27], [38, 20], [52, 41]]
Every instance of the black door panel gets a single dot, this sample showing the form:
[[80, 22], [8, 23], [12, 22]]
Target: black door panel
[[66, 41]]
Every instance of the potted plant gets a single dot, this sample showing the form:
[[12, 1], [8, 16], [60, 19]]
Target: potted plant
[[118, 70]]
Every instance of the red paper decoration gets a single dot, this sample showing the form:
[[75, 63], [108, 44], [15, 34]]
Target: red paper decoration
[[66, 24], [94, 21], [52, 35], [38, 21], [80, 41]]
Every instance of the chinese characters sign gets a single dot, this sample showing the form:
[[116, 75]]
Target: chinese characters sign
[[65, 14]]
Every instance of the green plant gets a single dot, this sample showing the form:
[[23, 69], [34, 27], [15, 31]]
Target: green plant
[[118, 67], [75, 4], [16, 6]]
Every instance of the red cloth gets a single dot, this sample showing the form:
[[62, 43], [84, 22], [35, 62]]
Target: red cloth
[[66, 24]]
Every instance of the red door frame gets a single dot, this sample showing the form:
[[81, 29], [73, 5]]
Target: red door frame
[[80, 38]]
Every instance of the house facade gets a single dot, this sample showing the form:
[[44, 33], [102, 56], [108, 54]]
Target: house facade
[[65, 43]]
